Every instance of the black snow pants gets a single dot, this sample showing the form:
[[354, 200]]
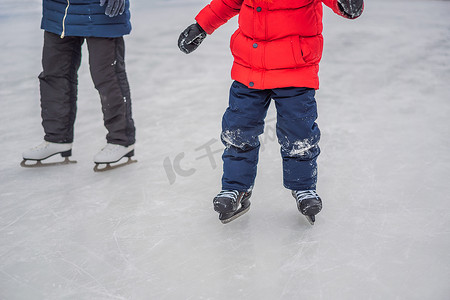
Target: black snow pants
[[61, 58]]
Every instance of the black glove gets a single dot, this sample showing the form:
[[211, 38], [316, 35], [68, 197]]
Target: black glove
[[114, 7], [351, 8], [191, 38]]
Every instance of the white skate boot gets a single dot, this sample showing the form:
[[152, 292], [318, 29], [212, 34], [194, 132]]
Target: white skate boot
[[44, 151], [112, 153]]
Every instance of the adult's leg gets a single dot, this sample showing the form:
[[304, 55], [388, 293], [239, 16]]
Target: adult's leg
[[242, 123], [298, 135], [58, 86], [107, 66]]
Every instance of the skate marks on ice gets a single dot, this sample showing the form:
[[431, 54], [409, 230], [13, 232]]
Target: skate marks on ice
[[102, 167]]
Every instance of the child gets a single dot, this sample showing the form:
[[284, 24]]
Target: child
[[276, 49], [102, 23]]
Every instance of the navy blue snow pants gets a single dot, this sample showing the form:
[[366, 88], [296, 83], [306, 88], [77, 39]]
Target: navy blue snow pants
[[297, 132]]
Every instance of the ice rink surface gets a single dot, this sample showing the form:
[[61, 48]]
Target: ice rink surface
[[148, 230]]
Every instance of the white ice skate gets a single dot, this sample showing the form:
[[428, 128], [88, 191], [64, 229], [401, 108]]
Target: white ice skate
[[44, 151], [112, 153]]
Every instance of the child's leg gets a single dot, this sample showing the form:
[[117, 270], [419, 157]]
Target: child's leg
[[298, 135], [107, 65], [61, 60], [242, 123]]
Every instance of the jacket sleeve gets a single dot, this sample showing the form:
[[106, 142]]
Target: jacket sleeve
[[217, 13], [333, 4]]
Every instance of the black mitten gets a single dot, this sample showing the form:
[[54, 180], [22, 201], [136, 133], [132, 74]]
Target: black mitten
[[351, 8], [191, 38]]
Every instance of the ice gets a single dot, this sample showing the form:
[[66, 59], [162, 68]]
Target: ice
[[149, 231]]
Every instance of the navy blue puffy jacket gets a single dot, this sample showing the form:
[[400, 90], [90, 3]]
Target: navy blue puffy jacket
[[83, 18]]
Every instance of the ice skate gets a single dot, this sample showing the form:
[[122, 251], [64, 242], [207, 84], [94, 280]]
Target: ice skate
[[46, 150], [231, 204], [111, 154], [308, 203]]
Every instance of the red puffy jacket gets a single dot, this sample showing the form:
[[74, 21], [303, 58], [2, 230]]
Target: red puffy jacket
[[278, 43]]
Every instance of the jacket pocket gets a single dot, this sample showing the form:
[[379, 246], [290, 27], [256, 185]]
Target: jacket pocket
[[297, 52], [283, 53], [286, 53], [311, 49]]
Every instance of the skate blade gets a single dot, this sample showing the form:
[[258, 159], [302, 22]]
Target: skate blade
[[239, 213], [39, 163], [108, 166], [311, 219]]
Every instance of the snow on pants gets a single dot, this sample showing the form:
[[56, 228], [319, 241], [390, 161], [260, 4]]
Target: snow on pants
[[61, 58], [297, 132]]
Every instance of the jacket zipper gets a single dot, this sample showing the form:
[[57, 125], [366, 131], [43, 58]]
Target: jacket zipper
[[64, 20]]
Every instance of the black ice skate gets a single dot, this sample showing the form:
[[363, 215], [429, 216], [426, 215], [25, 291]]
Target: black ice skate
[[112, 154], [308, 203], [45, 150], [231, 204]]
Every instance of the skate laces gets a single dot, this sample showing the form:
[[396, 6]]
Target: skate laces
[[109, 148], [41, 146], [302, 195], [233, 194]]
